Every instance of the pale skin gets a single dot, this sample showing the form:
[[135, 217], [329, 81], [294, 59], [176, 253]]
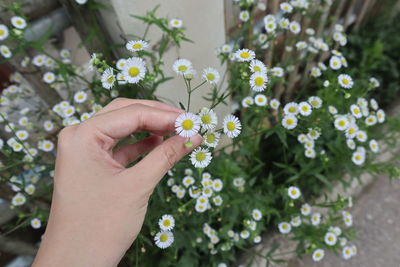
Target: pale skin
[[98, 204]]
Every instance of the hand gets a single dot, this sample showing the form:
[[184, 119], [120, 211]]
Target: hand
[[99, 205]]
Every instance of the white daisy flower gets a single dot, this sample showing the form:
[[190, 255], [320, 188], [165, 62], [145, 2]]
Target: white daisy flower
[[49, 77], [182, 66], [310, 153], [36, 223], [284, 227], [187, 124], [200, 208], [85, 116], [291, 108], [247, 101], [211, 139], [315, 72], [80, 97], [243, 55], [22, 135], [262, 38], [217, 200], [318, 255], [164, 239], [30, 189], [135, 46], [108, 78], [289, 122], [286, 7], [301, 45], [371, 120], [345, 81], [260, 100], [315, 219], [208, 118], [211, 75], [302, 138], [274, 103], [232, 126], [305, 209], [18, 200], [3, 32], [374, 146], [256, 214], [352, 130], [294, 27], [258, 81], [313, 134], [330, 239], [257, 66], [207, 191], [166, 223], [18, 22], [270, 26], [358, 158], [38, 60], [244, 234], [315, 101], [48, 126], [244, 15], [217, 185], [341, 123], [200, 157], [294, 192], [5, 51], [361, 136], [351, 144], [121, 63], [295, 221], [347, 253], [135, 70], [335, 63], [176, 23], [277, 71], [380, 114], [356, 111], [304, 108], [226, 48], [46, 145]]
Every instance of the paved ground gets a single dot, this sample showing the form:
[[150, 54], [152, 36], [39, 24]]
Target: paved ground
[[377, 218]]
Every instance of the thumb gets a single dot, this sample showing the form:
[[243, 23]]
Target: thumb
[[156, 164]]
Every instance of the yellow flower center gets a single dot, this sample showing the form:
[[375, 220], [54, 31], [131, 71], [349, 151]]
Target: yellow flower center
[[289, 121], [358, 157], [352, 131], [259, 81], [206, 119], [230, 126], [200, 156], [47, 145], [292, 109], [2, 32], [163, 237], [317, 254], [80, 96], [342, 123], [187, 125], [293, 192], [335, 63], [346, 81], [356, 111], [137, 46], [202, 200], [133, 71], [19, 22], [245, 54], [210, 76], [330, 238], [176, 22], [257, 68], [110, 79], [210, 138], [314, 103], [304, 108], [183, 68], [167, 223], [285, 226]]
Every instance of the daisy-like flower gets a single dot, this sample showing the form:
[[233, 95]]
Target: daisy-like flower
[[277, 71], [258, 81], [351, 144], [217, 185], [166, 223], [274, 103], [3, 32], [318, 254], [301, 45], [291, 108], [371, 120], [137, 45], [243, 55], [330, 239], [164, 239], [304, 108], [135, 70], [226, 48], [289, 122], [345, 81], [232, 126], [5, 51], [108, 78], [256, 214], [356, 111], [315, 72], [22, 135], [18, 22], [18, 200], [30, 189], [260, 100], [284, 227], [294, 192], [347, 253], [80, 97], [310, 153], [305, 209], [200, 157], [182, 66], [335, 63], [270, 26], [244, 15], [49, 77], [295, 221], [36, 223], [374, 146], [361, 136], [294, 27], [358, 158], [187, 124], [315, 101], [352, 130], [176, 23], [380, 114], [315, 219], [208, 118], [286, 7], [218, 200], [121, 63], [341, 123], [38, 60], [247, 101], [211, 75], [48, 126], [211, 139], [188, 181], [257, 66], [374, 104]]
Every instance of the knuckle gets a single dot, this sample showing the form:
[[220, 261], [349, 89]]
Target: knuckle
[[64, 136], [171, 156]]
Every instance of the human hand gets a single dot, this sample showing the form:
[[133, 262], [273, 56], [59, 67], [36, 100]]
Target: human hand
[[98, 205]]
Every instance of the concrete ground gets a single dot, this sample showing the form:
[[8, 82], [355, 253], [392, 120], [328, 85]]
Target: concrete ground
[[376, 216]]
